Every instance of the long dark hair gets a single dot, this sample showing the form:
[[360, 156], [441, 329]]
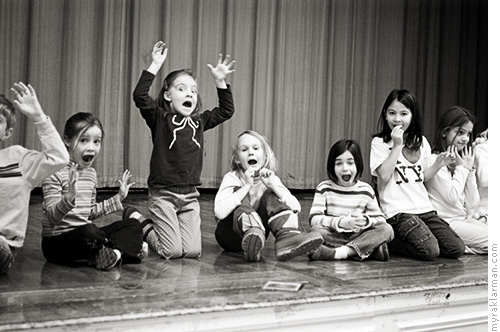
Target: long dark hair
[[454, 116], [167, 84], [413, 135], [338, 149]]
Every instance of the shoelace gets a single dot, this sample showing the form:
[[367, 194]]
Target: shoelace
[[181, 125]]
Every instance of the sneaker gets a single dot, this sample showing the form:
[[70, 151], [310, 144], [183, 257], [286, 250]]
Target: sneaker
[[105, 259], [252, 243], [129, 210], [381, 253], [290, 244], [323, 253]]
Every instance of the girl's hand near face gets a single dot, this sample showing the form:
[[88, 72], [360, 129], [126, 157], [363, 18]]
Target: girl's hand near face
[[446, 158], [248, 177], [72, 182], [267, 177], [466, 158], [397, 135], [124, 185], [221, 70]]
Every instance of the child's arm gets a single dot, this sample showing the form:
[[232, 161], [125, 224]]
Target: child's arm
[[113, 204], [273, 182], [159, 55], [35, 165], [385, 170], [227, 198], [221, 71], [57, 201]]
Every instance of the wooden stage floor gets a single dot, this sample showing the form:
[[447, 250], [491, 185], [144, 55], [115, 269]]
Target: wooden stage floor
[[222, 292]]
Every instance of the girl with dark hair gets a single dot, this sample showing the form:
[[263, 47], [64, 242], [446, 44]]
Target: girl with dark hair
[[453, 191], [399, 160], [345, 210], [177, 126], [69, 203]]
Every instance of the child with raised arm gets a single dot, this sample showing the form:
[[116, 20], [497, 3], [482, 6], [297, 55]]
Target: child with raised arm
[[345, 210], [252, 201], [69, 203], [399, 160], [453, 190], [177, 125], [22, 169]]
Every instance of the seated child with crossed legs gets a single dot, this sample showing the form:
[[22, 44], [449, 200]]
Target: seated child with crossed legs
[[345, 210]]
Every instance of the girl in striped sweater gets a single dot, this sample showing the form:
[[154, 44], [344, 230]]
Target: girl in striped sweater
[[345, 210], [69, 203]]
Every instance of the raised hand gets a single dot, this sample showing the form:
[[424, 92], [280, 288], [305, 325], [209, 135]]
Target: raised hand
[[222, 68], [72, 182], [27, 102], [124, 185], [160, 52], [397, 135], [248, 176], [466, 158]]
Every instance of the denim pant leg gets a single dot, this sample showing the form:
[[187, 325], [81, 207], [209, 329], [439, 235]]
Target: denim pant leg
[[450, 244], [330, 237], [366, 241], [7, 254], [412, 237]]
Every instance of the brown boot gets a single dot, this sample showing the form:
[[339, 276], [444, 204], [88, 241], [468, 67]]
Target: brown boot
[[381, 253], [252, 244], [323, 253], [293, 243]]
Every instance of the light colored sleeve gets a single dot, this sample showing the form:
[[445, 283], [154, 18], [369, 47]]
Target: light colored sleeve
[[105, 207], [225, 199], [481, 152], [36, 166], [55, 203], [289, 199], [450, 188], [318, 216], [379, 152]]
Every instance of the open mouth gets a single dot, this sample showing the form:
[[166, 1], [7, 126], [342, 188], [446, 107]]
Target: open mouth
[[346, 178], [87, 158], [187, 104], [252, 162]]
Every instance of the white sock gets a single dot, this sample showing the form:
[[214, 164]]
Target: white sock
[[137, 215], [341, 252]]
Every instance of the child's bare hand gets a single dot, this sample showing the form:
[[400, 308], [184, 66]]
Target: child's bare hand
[[397, 135], [124, 185], [354, 223], [447, 157], [72, 182], [223, 68], [159, 53], [248, 176], [27, 102], [466, 158], [267, 177]]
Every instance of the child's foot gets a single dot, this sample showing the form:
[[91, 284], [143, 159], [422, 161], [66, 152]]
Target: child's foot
[[323, 253], [381, 253], [252, 243], [105, 259], [132, 212], [291, 244]]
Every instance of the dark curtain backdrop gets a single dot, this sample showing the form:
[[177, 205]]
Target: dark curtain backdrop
[[308, 72]]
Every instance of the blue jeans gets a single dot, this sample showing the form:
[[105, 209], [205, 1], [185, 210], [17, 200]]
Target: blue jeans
[[424, 236], [7, 254], [364, 242], [229, 230]]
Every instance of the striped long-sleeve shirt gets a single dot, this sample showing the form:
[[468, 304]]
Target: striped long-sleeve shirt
[[62, 215], [333, 202]]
